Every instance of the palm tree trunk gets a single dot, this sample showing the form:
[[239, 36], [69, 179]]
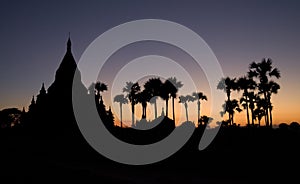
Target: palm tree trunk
[[247, 110], [266, 110], [173, 108], [155, 109], [97, 99], [132, 118], [143, 114], [121, 115], [198, 113], [145, 111], [167, 104], [252, 117], [271, 118], [266, 118], [186, 112], [270, 111]]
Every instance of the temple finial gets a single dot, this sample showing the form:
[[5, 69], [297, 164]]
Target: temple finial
[[69, 43]]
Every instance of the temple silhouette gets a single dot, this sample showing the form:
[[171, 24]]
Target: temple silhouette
[[52, 109], [51, 112]]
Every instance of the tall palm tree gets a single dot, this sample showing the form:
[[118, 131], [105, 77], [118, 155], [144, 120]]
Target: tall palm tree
[[184, 100], [100, 87], [174, 91], [153, 86], [264, 71], [121, 100], [132, 90], [165, 93], [228, 85], [199, 96], [143, 97], [246, 84], [273, 88]]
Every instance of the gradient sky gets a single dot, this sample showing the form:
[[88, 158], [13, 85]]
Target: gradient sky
[[33, 38]]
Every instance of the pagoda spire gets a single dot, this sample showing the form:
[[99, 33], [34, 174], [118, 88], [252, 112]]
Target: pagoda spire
[[43, 90], [32, 100], [69, 44]]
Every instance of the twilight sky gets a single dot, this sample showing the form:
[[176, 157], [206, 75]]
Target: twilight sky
[[33, 38]]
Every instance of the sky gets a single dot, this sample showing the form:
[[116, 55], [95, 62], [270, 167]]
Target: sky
[[33, 39]]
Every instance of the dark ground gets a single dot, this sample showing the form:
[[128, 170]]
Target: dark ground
[[237, 155]]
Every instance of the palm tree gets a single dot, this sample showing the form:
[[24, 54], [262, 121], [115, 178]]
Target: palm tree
[[246, 84], [165, 93], [252, 99], [228, 85], [143, 97], [273, 87], [264, 71], [259, 111], [153, 86], [259, 114], [230, 107], [100, 87], [199, 96], [184, 100], [205, 120], [132, 90], [121, 100], [174, 91]]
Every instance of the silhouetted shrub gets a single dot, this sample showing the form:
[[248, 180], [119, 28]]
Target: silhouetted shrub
[[283, 126], [294, 126]]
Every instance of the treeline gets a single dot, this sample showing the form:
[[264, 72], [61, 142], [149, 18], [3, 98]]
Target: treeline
[[256, 89]]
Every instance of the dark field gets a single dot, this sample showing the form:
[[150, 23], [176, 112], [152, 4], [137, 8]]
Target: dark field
[[237, 155]]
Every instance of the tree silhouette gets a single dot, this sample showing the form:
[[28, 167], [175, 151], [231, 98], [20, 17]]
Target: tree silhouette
[[246, 84], [184, 100], [174, 91], [132, 90], [272, 88], [199, 96], [230, 107], [252, 100], [259, 111], [121, 100], [100, 87], [143, 97], [228, 85], [205, 120], [264, 71], [153, 86], [165, 93]]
